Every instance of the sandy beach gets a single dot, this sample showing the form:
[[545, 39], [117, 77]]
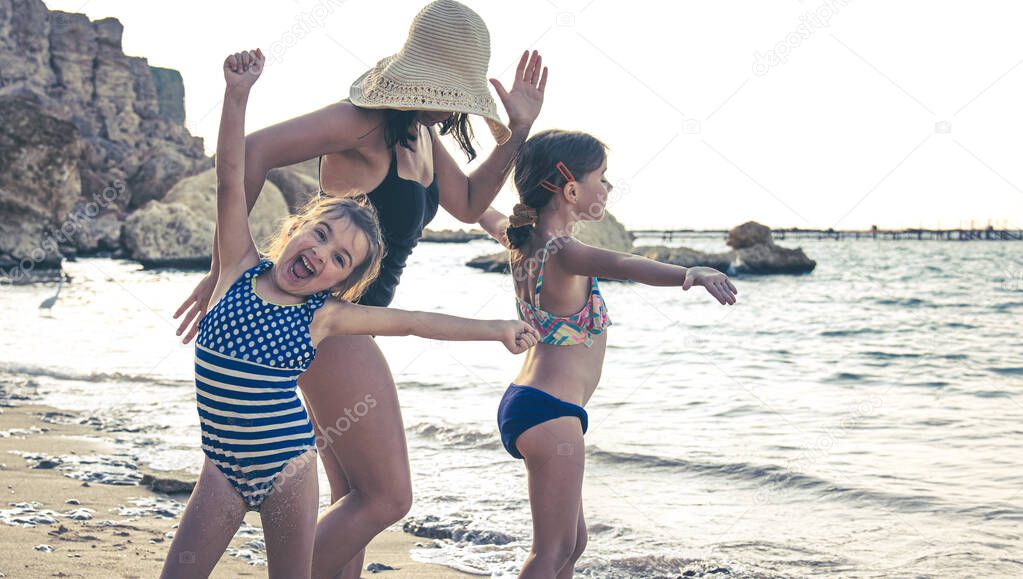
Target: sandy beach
[[52, 525]]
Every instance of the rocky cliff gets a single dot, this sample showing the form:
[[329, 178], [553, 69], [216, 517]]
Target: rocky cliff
[[87, 134]]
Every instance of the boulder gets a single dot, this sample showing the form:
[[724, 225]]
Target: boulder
[[749, 234], [199, 194], [770, 258], [296, 187], [608, 233], [159, 172], [99, 233], [168, 235]]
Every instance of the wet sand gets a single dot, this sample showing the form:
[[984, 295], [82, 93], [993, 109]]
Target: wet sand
[[67, 527]]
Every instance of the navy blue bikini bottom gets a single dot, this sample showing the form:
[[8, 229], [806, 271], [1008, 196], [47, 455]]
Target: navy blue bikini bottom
[[523, 407]]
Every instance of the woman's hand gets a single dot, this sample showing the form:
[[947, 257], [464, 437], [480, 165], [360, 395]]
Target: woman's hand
[[199, 301], [518, 336], [242, 69], [524, 100], [716, 283]]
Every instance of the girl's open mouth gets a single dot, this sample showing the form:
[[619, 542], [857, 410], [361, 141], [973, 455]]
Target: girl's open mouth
[[301, 268]]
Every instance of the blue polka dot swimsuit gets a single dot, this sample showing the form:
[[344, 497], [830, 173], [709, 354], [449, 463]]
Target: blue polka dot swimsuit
[[248, 356]]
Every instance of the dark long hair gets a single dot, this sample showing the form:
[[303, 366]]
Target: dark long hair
[[399, 124], [581, 153]]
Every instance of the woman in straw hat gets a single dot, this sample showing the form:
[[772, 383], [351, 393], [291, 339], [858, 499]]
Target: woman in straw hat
[[382, 142]]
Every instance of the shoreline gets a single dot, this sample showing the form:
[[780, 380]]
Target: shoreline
[[69, 527]]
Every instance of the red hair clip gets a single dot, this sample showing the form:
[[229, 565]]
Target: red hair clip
[[564, 173]]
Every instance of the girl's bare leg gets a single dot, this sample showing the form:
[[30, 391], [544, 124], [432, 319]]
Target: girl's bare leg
[[289, 519], [339, 487], [214, 512], [581, 536], [352, 394], [555, 458]]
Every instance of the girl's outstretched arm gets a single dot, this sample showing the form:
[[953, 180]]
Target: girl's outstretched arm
[[495, 223], [345, 318], [580, 259], [234, 242]]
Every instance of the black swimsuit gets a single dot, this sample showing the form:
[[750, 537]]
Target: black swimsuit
[[405, 208]]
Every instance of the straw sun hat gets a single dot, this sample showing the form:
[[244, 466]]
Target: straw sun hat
[[442, 67]]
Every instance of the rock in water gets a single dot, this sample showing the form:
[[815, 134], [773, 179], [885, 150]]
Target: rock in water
[[608, 233], [769, 258], [754, 252], [749, 234], [685, 257]]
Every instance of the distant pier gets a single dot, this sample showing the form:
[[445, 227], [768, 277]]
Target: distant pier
[[986, 234]]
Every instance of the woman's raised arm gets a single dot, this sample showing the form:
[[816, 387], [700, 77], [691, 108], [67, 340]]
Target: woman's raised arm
[[467, 197], [335, 128]]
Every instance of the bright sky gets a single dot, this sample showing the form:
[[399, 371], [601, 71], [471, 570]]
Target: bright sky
[[854, 113]]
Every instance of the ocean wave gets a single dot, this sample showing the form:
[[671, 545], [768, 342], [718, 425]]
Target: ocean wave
[[23, 370], [458, 436], [850, 332], [462, 544], [903, 302], [846, 377], [664, 567], [454, 529], [771, 478], [889, 355]]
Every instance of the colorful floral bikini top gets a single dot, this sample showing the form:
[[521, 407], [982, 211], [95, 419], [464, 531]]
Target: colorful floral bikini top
[[579, 328]]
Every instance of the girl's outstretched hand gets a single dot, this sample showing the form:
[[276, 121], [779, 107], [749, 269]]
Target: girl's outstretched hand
[[518, 336], [524, 100], [716, 283], [242, 69], [199, 300]]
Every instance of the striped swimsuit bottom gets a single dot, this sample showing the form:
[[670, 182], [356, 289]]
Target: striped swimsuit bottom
[[248, 355]]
